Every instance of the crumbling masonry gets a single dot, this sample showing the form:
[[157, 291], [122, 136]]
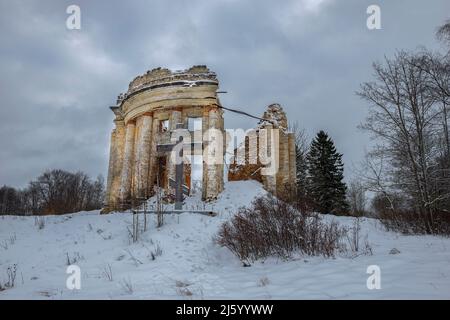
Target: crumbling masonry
[[146, 116], [270, 137], [149, 119]]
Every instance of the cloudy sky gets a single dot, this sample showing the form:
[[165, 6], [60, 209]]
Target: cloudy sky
[[309, 55]]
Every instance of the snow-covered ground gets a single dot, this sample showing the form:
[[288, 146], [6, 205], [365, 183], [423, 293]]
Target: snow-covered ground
[[191, 266]]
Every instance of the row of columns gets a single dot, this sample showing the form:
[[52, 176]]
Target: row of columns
[[137, 159], [132, 163]]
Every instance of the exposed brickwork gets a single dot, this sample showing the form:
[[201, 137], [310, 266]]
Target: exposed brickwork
[[160, 95], [282, 143]]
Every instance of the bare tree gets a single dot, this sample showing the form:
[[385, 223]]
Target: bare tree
[[54, 192], [356, 195], [443, 33], [301, 150], [437, 82], [403, 117]]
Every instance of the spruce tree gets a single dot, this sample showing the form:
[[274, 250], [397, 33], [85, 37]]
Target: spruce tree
[[325, 185]]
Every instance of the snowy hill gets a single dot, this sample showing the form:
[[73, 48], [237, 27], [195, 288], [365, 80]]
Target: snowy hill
[[180, 260]]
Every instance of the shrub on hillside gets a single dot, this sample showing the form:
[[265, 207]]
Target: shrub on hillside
[[272, 227]]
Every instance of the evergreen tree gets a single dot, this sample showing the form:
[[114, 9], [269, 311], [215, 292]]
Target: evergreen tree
[[325, 185]]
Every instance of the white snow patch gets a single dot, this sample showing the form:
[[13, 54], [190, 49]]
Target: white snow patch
[[191, 261]]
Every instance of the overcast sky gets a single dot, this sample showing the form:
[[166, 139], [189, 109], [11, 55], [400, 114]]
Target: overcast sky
[[308, 55]]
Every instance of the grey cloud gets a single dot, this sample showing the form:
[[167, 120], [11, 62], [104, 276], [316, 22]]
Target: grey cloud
[[56, 85]]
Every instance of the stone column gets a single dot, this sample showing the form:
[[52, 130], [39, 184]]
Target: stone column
[[213, 139], [109, 182], [135, 166], [142, 155], [117, 155], [175, 119], [205, 126], [127, 168], [269, 145], [153, 155], [221, 167]]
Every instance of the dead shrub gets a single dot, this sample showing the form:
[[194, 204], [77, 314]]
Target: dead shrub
[[76, 257], [127, 285], [355, 247], [271, 227], [184, 292], [264, 281], [107, 272], [39, 222], [181, 284], [158, 251], [11, 278]]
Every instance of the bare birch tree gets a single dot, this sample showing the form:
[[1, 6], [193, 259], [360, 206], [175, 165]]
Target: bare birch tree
[[404, 118]]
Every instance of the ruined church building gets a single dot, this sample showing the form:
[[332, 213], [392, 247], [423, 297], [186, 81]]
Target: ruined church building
[[156, 105]]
